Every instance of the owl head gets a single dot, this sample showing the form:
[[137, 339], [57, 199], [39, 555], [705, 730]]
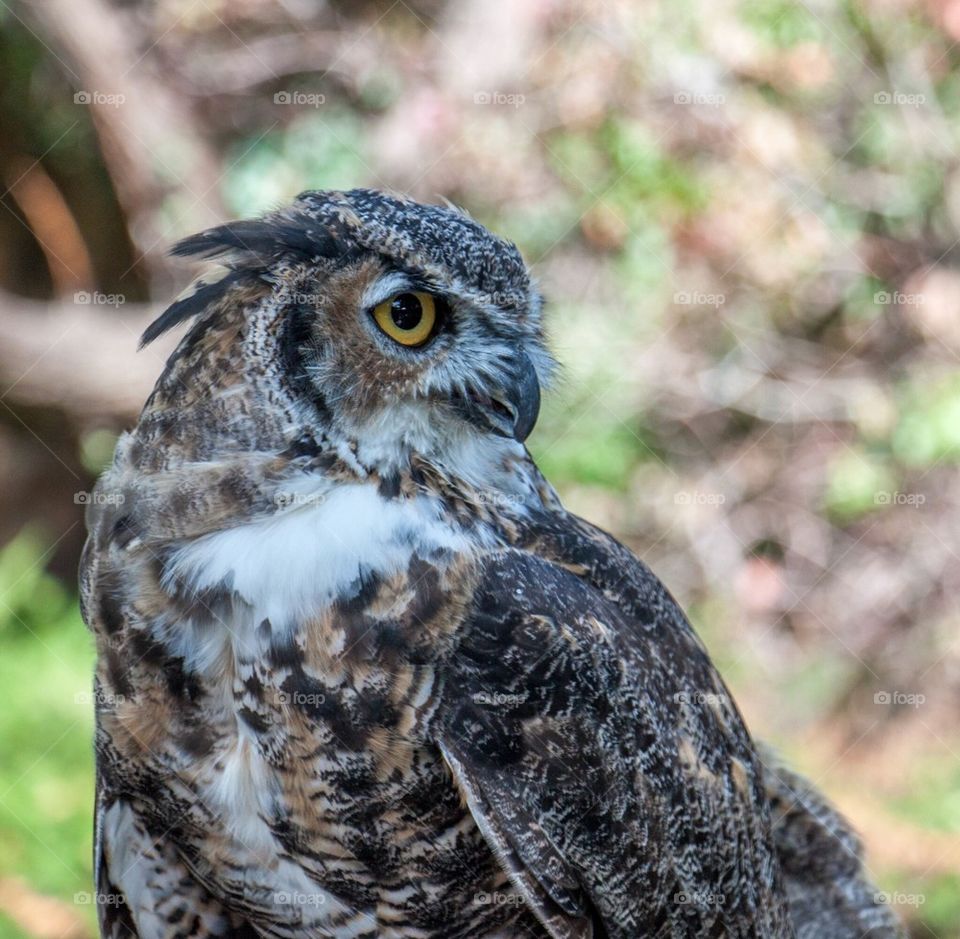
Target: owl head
[[391, 323]]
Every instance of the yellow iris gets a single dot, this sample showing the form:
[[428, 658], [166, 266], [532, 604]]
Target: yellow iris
[[407, 318]]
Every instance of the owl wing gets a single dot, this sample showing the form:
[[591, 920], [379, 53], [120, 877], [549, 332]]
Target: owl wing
[[600, 753], [828, 891]]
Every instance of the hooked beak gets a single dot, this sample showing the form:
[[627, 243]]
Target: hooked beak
[[510, 410]]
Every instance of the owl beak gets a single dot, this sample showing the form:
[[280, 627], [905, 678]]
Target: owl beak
[[510, 410], [522, 397]]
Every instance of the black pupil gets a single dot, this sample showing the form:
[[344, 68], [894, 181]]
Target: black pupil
[[406, 311]]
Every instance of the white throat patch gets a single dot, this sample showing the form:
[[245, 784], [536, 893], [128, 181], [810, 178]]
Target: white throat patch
[[292, 564]]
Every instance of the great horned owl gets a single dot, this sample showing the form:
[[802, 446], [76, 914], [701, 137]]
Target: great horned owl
[[360, 673]]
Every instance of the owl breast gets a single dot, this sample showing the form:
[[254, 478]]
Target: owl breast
[[295, 760]]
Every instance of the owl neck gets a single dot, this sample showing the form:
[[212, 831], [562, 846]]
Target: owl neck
[[474, 473]]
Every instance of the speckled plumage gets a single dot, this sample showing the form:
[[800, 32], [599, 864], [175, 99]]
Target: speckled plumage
[[359, 672]]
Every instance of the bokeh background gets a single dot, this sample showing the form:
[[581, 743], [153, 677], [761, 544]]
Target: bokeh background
[[746, 216]]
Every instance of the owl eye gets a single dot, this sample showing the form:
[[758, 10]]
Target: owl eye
[[407, 318]]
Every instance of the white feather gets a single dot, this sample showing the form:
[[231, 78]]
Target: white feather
[[291, 565]]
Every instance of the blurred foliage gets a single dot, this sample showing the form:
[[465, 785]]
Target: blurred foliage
[[929, 428], [268, 172], [46, 728]]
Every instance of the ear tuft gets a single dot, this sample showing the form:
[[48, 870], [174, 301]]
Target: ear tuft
[[201, 295], [261, 242], [249, 249]]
